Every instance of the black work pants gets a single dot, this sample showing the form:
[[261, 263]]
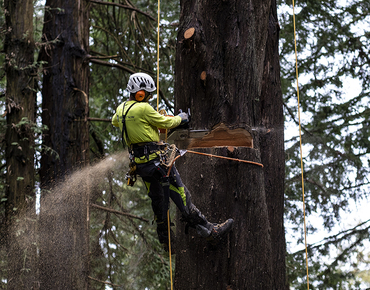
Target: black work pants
[[160, 189]]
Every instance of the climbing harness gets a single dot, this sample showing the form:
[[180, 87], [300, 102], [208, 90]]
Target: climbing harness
[[131, 174], [124, 129], [301, 150]]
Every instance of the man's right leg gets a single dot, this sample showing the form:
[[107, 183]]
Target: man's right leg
[[191, 214]]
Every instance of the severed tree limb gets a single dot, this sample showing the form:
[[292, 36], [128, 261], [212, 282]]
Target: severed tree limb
[[119, 212], [123, 6]]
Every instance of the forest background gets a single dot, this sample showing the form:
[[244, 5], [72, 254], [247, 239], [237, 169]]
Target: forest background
[[333, 61]]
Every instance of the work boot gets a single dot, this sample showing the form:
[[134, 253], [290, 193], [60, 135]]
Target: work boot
[[206, 229], [216, 231], [220, 230]]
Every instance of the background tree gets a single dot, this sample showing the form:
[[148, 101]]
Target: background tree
[[19, 151], [227, 72], [65, 108]]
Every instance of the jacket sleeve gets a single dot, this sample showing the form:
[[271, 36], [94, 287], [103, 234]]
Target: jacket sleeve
[[160, 121], [115, 122]]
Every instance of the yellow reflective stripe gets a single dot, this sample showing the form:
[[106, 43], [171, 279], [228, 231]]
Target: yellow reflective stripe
[[180, 191], [147, 184], [143, 159]]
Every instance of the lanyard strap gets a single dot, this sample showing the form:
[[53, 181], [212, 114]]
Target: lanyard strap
[[124, 129]]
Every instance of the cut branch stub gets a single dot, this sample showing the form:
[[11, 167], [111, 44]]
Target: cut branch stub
[[203, 77], [189, 33], [188, 37]]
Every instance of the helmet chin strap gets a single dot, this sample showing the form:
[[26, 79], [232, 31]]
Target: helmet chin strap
[[147, 98]]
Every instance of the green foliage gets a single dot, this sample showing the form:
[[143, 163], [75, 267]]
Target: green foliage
[[333, 48], [126, 251]]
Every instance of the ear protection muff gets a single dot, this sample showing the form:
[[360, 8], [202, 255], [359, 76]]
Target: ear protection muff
[[140, 96]]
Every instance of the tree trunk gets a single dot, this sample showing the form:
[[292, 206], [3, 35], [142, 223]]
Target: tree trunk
[[64, 214], [272, 147], [20, 109], [227, 72]]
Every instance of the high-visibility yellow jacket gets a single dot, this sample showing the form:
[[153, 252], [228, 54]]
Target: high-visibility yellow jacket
[[143, 122]]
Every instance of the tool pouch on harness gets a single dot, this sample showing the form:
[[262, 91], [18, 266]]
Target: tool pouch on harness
[[131, 174]]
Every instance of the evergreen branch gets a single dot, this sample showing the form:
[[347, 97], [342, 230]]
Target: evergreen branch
[[131, 221], [115, 38], [169, 106], [103, 56], [344, 253], [107, 283], [88, 57], [334, 238], [99, 119], [116, 241], [123, 6], [118, 212], [294, 119], [105, 63]]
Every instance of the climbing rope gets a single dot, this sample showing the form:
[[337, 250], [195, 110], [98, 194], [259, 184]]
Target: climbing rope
[[301, 150], [224, 157], [159, 10], [168, 212]]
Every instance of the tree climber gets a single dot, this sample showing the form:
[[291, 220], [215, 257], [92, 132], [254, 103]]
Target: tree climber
[[139, 124]]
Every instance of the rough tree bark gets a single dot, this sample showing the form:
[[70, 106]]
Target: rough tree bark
[[64, 215], [227, 72], [20, 109]]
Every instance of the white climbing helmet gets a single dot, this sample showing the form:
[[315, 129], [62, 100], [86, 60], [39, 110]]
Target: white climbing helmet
[[140, 81]]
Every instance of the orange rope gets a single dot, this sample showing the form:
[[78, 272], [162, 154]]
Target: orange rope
[[227, 158]]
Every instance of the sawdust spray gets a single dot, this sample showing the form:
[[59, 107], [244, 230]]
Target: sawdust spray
[[61, 207]]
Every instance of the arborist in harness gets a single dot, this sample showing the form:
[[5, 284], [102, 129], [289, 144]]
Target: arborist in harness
[[139, 124]]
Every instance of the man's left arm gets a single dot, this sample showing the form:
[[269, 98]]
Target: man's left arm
[[115, 121]]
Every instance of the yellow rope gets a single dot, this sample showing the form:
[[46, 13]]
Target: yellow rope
[[169, 244], [300, 146], [159, 10], [168, 212]]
